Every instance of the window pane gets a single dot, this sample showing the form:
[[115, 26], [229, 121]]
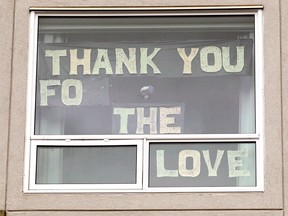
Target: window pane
[[86, 165], [202, 165], [145, 75]]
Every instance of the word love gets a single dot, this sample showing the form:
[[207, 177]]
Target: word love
[[235, 163]]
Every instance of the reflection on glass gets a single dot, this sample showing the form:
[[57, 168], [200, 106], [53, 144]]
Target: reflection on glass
[[86, 165], [146, 75], [202, 165]]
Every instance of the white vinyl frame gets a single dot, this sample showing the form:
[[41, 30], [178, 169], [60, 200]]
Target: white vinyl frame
[[142, 141], [195, 189], [87, 143]]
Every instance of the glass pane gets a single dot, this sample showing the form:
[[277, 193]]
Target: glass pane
[[202, 165], [145, 75], [86, 165]]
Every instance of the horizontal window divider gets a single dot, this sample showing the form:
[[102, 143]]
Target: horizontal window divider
[[148, 190], [85, 187], [49, 142], [204, 189], [209, 137]]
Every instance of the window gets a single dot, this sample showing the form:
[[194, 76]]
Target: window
[[145, 101]]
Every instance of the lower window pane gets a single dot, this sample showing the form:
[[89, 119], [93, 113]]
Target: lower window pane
[[202, 165], [86, 165]]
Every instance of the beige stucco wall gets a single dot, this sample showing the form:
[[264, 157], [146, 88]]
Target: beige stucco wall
[[284, 49], [6, 24], [154, 213], [269, 202]]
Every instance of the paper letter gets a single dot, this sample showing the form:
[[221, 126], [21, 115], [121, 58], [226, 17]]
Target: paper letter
[[65, 92], [45, 92], [124, 113], [187, 67], [102, 61], [195, 155], [208, 51], [55, 54], [75, 61], [147, 60], [212, 171], [121, 59], [142, 120], [165, 121], [226, 60], [161, 171], [234, 163]]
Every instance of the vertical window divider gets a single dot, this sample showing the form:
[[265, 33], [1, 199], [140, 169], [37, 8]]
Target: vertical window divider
[[146, 162], [259, 85], [30, 103]]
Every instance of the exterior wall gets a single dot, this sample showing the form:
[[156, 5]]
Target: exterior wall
[[284, 49], [269, 202], [6, 23], [154, 213]]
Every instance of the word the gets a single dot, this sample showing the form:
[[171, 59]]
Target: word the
[[165, 117]]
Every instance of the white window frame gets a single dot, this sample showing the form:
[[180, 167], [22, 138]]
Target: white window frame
[[87, 143], [195, 189], [142, 141]]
